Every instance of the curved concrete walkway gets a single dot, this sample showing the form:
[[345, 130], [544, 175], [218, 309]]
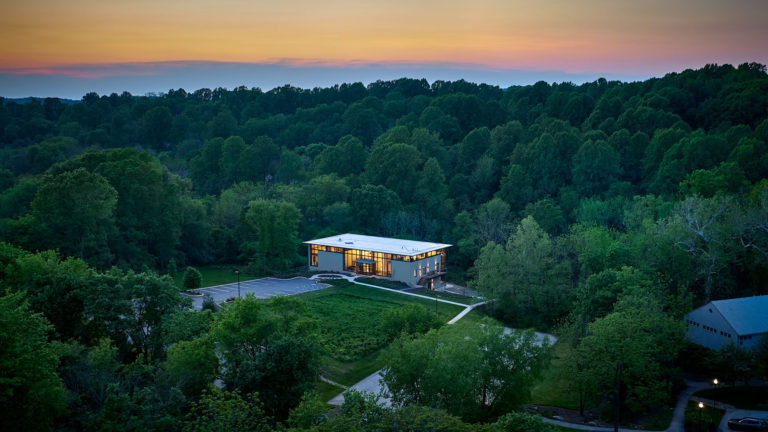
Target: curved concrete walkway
[[731, 413], [352, 279], [372, 383], [678, 417]]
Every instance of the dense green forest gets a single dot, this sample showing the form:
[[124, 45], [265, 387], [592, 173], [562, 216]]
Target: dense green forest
[[573, 208]]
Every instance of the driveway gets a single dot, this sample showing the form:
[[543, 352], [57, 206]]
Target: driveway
[[739, 413], [261, 288]]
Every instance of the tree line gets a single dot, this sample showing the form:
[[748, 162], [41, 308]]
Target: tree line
[[585, 209]]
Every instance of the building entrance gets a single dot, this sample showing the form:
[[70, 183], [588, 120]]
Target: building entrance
[[365, 266]]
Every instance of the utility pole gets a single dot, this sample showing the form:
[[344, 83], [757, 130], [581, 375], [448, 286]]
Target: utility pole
[[237, 272]]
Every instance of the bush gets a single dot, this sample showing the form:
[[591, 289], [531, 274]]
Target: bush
[[520, 422], [208, 303], [172, 267], [410, 319], [192, 278]]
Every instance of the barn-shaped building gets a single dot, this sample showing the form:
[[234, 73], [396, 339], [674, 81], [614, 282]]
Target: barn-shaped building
[[739, 320]]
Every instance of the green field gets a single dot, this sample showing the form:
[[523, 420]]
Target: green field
[[349, 317], [349, 321], [213, 275], [553, 389], [327, 391], [444, 295], [386, 283]]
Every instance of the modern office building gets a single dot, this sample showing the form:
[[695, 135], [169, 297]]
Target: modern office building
[[741, 321], [408, 261]]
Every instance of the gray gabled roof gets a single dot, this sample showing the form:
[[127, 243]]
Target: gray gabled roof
[[747, 315]]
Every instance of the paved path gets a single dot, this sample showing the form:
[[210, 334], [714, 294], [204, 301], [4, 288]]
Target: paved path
[[738, 413], [678, 417], [466, 310], [411, 294], [399, 291], [324, 379], [372, 383], [261, 288]]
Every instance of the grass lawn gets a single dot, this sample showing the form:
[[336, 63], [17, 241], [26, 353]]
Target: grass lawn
[[659, 420], [349, 320], [552, 389], [386, 283], [327, 391], [752, 398], [458, 298], [351, 372], [213, 275], [708, 417], [475, 316]]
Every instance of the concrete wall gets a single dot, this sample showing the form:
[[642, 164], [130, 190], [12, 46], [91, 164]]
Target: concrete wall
[[403, 272], [707, 327]]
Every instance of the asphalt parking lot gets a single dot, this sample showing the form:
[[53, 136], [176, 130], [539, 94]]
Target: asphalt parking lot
[[261, 288]]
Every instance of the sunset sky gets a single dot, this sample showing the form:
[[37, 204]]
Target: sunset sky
[[65, 48]]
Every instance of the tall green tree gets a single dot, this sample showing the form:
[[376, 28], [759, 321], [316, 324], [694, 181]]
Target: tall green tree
[[394, 166], [224, 411], [77, 207], [475, 372], [629, 352], [527, 278], [275, 225], [595, 167], [31, 394], [57, 287], [148, 212], [267, 351]]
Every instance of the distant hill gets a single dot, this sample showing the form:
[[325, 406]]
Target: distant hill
[[6, 101]]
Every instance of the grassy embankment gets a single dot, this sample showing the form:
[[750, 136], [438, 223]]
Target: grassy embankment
[[458, 298], [553, 388], [349, 320], [444, 295], [213, 275]]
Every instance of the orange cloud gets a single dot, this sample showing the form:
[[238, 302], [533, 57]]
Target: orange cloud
[[618, 35]]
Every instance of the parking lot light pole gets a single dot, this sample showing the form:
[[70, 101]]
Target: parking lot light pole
[[715, 382], [701, 410], [237, 272]]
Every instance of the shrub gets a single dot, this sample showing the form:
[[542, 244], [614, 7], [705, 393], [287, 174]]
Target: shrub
[[192, 278], [208, 303], [410, 319]]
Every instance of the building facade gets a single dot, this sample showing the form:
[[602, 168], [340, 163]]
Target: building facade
[[409, 261], [741, 321]]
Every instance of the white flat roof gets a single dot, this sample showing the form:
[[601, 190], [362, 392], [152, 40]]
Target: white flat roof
[[379, 244]]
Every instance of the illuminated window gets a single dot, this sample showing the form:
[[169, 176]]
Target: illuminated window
[[313, 255]]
